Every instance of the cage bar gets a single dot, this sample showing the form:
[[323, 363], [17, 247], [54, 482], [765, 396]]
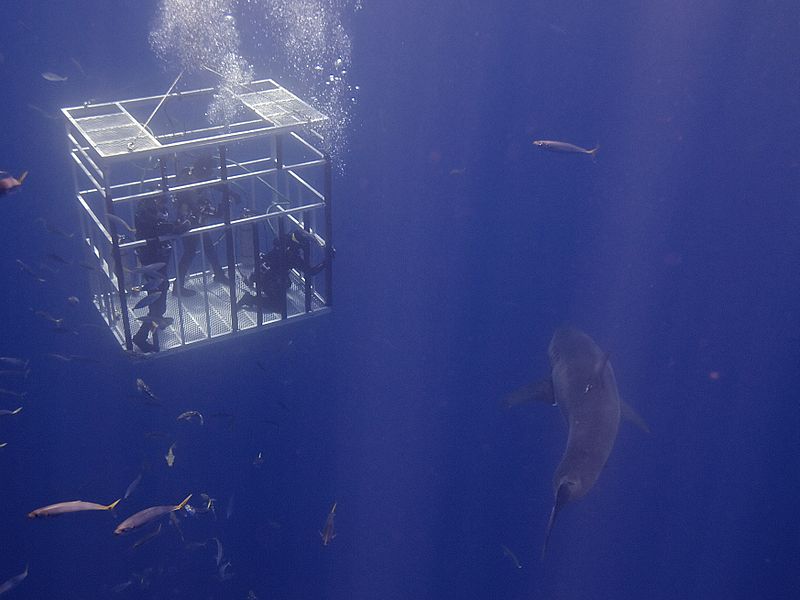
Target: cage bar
[[269, 178]]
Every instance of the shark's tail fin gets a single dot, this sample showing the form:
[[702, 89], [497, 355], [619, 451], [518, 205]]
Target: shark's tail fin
[[22, 177], [562, 497], [549, 529]]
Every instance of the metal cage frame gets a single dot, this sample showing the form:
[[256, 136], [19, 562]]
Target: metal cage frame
[[289, 181]]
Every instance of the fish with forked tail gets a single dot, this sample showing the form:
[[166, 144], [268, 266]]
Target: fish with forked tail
[[566, 147], [148, 515], [70, 507]]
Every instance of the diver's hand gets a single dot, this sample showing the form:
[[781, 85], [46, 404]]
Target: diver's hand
[[182, 227]]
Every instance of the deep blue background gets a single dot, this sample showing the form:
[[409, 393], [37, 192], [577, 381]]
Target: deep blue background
[[678, 251]]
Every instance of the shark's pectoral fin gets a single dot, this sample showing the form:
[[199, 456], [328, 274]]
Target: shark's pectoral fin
[[540, 391], [628, 413]]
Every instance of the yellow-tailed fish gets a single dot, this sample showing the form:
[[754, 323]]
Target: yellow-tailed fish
[[70, 507], [148, 515]]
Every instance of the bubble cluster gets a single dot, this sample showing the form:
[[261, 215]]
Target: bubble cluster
[[301, 43], [235, 74], [312, 48], [198, 34]]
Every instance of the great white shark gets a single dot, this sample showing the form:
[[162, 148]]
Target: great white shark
[[582, 384]]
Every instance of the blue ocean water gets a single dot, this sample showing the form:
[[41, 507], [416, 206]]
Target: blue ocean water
[[460, 248]]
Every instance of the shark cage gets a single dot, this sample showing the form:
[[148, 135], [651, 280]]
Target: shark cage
[[238, 234]]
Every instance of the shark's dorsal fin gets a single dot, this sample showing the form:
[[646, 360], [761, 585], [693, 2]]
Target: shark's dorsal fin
[[597, 376]]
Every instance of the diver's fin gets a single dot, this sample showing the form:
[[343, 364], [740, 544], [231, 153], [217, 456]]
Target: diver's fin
[[627, 412], [541, 391]]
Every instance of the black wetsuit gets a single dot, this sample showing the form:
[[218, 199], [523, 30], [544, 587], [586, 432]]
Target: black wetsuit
[[151, 222], [196, 207], [289, 252]]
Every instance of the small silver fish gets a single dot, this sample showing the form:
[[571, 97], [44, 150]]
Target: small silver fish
[[223, 571], [555, 146], [145, 390], [79, 65], [4, 412], [53, 229], [14, 362], [121, 587], [507, 551], [57, 258], [176, 523], [50, 76], [170, 456], [74, 300], [73, 358], [13, 582], [146, 538], [132, 487], [29, 271], [16, 373], [189, 415], [328, 531], [219, 550], [58, 322]]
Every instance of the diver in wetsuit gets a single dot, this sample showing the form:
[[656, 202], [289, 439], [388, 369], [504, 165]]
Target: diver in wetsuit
[[289, 252], [151, 221], [195, 205]]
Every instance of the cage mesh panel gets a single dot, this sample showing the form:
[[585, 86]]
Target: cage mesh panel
[[281, 107], [112, 133]]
